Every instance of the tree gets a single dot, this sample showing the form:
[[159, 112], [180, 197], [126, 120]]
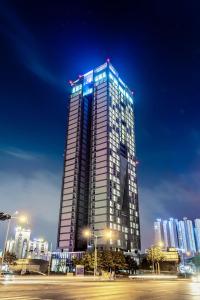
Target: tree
[[119, 260], [155, 256], [145, 264], [87, 261], [107, 260], [131, 264], [10, 258], [111, 260]]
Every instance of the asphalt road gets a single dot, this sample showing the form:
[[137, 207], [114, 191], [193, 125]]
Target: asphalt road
[[60, 289]]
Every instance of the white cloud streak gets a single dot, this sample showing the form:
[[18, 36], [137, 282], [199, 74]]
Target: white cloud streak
[[18, 153]]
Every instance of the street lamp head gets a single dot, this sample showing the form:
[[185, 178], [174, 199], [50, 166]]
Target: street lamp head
[[108, 234], [23, 219], [160, 244], [86, 233]]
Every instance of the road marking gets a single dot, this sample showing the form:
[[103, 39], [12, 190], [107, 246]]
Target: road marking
[[14, 297], [22, 297], [31, 282]]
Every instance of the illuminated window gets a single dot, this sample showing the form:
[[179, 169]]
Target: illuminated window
[[76, 88], [87, 91], [88, 77], [100, 76]]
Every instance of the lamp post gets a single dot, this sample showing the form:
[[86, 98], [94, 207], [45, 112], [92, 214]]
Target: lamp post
[[87, 233], [22, 219], [49, 265], [95, 253]]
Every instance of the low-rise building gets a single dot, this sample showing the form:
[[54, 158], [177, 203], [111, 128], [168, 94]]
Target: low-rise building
[[62, 262]]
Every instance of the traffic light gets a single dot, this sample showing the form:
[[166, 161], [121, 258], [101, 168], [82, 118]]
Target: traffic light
[[4, 216]]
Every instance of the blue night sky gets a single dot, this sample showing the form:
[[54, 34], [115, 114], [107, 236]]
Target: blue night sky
[[154, 45]]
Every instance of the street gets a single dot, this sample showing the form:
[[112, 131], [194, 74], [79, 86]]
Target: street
[[63, 288]]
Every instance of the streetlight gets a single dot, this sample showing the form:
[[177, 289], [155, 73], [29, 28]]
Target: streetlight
[[87, 233], [108, 233], [160, 244], [22, 219], [50, 256]]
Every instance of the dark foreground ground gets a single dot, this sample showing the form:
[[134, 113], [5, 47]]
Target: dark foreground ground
[[61, 288]]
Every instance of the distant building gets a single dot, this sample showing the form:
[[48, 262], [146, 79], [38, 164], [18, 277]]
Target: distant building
[[38, 249], [197, 233], [189, 230], [157, 232], [21, 242], [10, 247], [23, 247], [166, 238], [182, 235], [173, 237]]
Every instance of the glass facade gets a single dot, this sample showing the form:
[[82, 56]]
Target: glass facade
[[99, 184]]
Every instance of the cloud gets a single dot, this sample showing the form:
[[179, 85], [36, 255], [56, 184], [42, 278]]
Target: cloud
[[25, 45], [18, 153], [37, 195], [176, 197], [36, 191]]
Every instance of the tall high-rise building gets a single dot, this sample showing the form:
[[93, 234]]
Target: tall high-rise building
[[157, 232], [178, 234], [22, 238], [183, 245], [173, 237], [166, 239], [197, 233], [190, 235], [99, 187]]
